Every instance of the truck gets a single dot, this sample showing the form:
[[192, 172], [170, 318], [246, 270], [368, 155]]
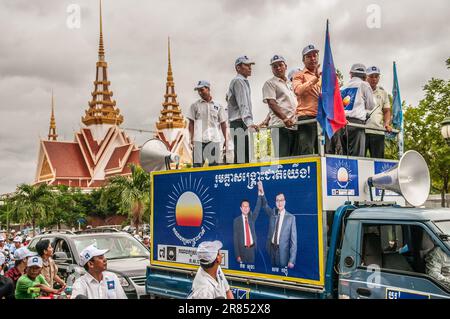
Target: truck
[[355, 233]]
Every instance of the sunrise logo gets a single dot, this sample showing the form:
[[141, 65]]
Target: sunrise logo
[[190, 204], [342, 174]]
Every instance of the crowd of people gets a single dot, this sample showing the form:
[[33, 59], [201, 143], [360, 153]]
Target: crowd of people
[[215, 129]]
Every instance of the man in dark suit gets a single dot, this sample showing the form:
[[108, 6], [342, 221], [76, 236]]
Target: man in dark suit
[[244, 235], [282, 236]]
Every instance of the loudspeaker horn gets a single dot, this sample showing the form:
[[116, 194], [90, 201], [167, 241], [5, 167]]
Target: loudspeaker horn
[[155, 156], [409, 178]]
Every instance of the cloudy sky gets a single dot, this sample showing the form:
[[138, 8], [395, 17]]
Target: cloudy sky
[[41, 48]]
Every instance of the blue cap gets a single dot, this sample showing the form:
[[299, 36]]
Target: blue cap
[[202, 84], [277, 58], [373, 70], [309, 48], [243, 59]]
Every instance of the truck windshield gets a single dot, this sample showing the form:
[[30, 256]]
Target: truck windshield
[[119, 246]]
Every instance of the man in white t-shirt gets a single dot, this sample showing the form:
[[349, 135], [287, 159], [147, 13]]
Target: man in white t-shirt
[[379, 117], [97, 283], [210, 282], [358, 102]]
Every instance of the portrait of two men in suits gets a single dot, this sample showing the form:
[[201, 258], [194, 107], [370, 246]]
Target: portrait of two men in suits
[[281, 243]]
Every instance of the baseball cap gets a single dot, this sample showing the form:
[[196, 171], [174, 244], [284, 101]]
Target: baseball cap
[[17, 239], [207, 251], [22, 253], [34, 261], [243, 59], [309, 48], [89, 252], [358, 68], [146, 237], [202, 84], [373, 70], [2, 259], [277, 58], [1, 238]]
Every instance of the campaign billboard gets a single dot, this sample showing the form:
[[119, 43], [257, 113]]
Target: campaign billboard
[[270, 231]]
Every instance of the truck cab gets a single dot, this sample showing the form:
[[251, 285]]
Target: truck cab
[[393, 253]]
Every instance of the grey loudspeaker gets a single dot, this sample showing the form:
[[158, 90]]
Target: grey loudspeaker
[[409, 178], [155, 156]]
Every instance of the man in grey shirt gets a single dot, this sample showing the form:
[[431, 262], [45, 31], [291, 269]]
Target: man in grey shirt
[[240, 109]]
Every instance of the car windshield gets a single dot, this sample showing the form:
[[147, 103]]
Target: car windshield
[[119, 246]]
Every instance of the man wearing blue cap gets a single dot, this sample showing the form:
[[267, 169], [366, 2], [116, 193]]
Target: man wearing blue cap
[[205, 117], [278, 94], [240, 113], [307, 88], [379, 117]]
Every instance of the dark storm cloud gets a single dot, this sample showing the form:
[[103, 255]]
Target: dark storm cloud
[[39, 52]]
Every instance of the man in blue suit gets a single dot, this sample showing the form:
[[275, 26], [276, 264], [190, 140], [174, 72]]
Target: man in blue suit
[[282, 236], [244, 235]]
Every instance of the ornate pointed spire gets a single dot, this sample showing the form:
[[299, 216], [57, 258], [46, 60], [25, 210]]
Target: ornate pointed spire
[[171, 116], [102, 109], [52, 129], [101, 48]]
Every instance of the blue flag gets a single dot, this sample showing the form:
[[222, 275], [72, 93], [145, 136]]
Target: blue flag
[[330, 113], [397, 114]]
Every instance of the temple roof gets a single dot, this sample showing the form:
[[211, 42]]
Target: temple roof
[[102, 109], [171, 116]]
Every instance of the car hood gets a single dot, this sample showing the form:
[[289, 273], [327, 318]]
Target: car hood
[[129, 267]]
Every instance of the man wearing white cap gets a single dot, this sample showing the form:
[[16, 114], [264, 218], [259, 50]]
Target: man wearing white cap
[[240, 114], [97, 283], [379, 117], [210, 282], [307, 87], [205, 117], [146, 241], [33, 279], [21, 256], [17, 243], [358, 100], [282, 102]]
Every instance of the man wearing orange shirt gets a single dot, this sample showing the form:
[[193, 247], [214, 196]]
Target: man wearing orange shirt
[[307, 87]]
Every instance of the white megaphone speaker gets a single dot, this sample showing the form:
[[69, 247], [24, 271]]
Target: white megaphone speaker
[[155, 156], [409, 178]]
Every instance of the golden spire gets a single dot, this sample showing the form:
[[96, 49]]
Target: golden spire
[[102, 109], [101, 48], [52, 129], [171, 116]]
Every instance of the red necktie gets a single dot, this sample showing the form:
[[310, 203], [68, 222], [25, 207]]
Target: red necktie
[[247, 233]]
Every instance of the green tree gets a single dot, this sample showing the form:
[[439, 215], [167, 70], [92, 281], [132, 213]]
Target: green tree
[[423, 132], [33, 203], [133, 192], [68, 206]]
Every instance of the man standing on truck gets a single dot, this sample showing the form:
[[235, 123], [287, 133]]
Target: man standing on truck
[[307, 87], [282, 235], [379, 117], [244, 234], [358, 100], [210, 282], [205, 117], [282, 102]]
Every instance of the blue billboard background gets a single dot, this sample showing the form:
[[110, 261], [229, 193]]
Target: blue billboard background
[[218, 194]]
